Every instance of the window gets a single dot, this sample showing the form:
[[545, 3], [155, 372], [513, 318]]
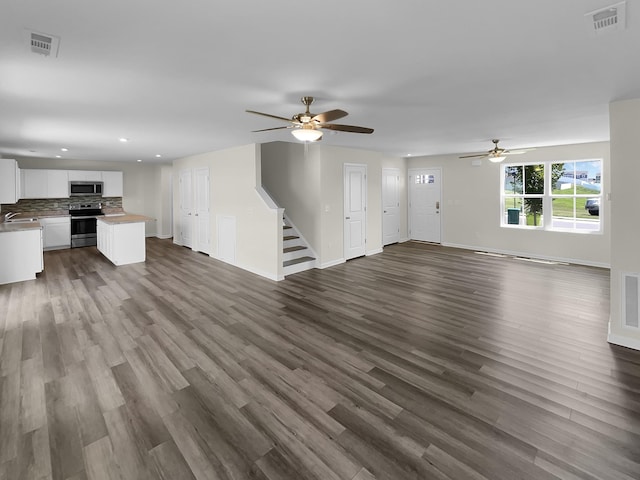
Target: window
[[420, 179], [563, 196], [523, 194]]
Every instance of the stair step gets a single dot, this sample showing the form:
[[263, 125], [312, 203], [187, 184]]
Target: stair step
[[294, 248], [290, 237], [286, 227], [295, 261]]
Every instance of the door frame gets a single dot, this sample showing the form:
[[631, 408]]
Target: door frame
[[413, 171], [397, 171], [365, 200]]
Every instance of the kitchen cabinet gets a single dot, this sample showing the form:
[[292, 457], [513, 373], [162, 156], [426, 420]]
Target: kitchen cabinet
[[44, 183], [41, 183], [113, 184], [122, 241], [34, 184], [85, 175], [21, 247], [9, 181], [57, 184], [56, 232]]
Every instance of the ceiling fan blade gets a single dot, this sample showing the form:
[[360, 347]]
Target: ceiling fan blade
[[517, 152], [329, 116], [271, 116], [274, 128], [346, 128], [476, 155]]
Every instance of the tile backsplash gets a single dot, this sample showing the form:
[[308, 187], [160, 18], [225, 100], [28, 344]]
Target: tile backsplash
[[51, 204]]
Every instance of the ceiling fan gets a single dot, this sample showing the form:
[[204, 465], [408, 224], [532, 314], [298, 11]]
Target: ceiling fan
[[497, 154], [306, 126]]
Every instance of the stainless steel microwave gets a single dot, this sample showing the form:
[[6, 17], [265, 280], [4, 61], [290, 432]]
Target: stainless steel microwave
[[81, 189]]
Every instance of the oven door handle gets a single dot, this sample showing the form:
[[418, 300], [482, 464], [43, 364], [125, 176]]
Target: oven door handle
[[84, 218]]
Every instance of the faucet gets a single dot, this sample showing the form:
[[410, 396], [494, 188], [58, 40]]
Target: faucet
[[9, 215]]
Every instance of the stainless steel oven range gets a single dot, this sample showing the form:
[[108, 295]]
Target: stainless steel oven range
[[83, 224]]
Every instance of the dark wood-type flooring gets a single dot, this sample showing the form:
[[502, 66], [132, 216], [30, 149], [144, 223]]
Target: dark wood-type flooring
[[422, 362]]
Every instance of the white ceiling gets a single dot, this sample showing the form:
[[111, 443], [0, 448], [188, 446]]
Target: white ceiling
[[430, 77]]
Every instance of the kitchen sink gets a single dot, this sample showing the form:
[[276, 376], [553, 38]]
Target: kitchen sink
[[21, 220]]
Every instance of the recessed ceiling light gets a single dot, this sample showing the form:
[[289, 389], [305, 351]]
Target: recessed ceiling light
[[158, 156], [64, 149], [58, 156], [139, 160], [124, 140]]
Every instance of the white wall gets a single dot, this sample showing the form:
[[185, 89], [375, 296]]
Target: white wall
[[310, 184], [233, 174], [333, 160], [471, 208], [625, 201], [142, 187], [164, 198], [292, 178]]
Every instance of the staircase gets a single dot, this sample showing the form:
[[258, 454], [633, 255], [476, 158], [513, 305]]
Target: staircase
[[297, 256]]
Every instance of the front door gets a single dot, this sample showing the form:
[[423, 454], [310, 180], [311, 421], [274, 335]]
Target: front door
[[390, 205], [355, 210], [424, 204]]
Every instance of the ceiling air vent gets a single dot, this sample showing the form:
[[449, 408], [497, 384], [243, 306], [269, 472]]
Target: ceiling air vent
[[44, 44], [607, 19]]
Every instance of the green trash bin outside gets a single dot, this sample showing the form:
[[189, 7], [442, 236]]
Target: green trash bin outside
[[513, 216]]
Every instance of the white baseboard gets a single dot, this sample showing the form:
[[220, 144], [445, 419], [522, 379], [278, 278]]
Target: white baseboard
[[332, 263], [623, 341], [255, 271], [374, 252], [529, 255], [405, 239], [164, 237]]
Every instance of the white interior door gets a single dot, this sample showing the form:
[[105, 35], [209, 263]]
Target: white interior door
[[390, 205], [355, 210], [202, 235], [185, 227], [424, 204]]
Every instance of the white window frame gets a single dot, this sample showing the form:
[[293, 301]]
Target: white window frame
[[547, 197], [522, 196]]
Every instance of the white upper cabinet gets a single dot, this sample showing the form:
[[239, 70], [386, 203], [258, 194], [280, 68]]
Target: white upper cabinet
[[113, 184], [85, 175], [9, 181], [34, 184], [44, 184], [57, 184]]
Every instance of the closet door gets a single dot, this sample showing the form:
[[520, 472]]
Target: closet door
[[202, 221]]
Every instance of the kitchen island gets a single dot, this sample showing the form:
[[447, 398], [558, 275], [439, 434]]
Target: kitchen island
[[121, 238], [20, 251]]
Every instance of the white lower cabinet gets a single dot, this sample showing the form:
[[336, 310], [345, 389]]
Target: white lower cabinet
[[21, 255], [56, 232], [122, 243]]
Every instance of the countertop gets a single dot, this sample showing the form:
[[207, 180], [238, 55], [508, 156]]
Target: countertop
[[125, 218], [20, 226]]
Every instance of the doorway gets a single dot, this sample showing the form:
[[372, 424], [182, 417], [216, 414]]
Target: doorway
[[390, 206], [355, 210], [424, 204]]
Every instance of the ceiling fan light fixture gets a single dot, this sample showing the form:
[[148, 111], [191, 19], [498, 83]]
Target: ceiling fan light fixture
[[307, 134], [496, 158]]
